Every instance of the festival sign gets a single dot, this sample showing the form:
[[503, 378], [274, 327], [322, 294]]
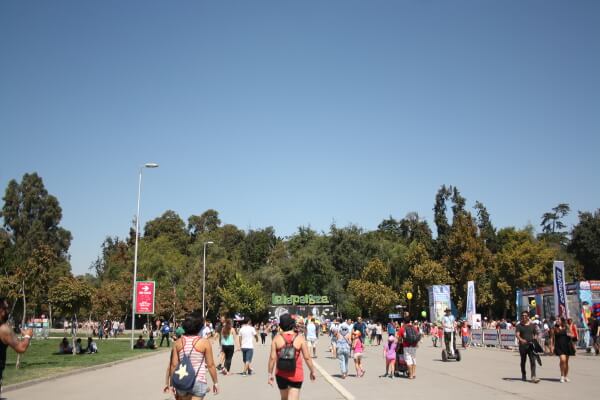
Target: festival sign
[[560, 290], [307, 299], [144, 297]]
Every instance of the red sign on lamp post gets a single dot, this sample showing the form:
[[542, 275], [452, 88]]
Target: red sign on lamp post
[[144, 297]]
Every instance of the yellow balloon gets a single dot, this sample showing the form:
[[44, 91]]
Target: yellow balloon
[[409, 295], [533, 303]]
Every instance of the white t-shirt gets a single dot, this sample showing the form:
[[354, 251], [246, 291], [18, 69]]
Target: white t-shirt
[[311, 331], [248, 334], [448, 323]]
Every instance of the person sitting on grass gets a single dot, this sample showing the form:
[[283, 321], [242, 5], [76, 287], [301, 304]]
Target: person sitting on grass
[[64, 347], [151, 344], [92, 348], [140, 343], [78, 348]]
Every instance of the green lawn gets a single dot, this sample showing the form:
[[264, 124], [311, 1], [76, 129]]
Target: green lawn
[[39, 360]]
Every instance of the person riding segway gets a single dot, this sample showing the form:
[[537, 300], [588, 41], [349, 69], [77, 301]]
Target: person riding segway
[[449, 327]]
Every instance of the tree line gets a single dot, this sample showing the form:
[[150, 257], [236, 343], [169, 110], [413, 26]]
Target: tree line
[[364, 272]]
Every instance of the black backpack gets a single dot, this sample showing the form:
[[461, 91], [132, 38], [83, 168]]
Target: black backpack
[[411, 335], [286, 360]]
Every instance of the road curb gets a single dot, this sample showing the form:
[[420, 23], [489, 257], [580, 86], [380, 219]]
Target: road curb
[[33, 382]]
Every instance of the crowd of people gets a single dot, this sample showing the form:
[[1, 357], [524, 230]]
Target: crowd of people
[[295, 340]]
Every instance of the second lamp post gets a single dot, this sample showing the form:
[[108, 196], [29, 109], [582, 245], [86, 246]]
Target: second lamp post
[[204, 278]]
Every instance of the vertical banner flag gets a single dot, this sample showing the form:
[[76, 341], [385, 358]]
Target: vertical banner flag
[[470, 301], [439, 300], [144, 297], [560, 290]]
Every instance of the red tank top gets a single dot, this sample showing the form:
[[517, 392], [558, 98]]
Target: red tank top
[[298, 374]]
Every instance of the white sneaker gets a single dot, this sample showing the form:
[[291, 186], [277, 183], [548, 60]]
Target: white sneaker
[[562, 379], [567, 379]]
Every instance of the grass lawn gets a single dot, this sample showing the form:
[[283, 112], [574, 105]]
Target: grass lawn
[[39, 360]]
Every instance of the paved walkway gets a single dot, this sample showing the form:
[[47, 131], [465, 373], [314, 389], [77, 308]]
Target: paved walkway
[[484, 373]]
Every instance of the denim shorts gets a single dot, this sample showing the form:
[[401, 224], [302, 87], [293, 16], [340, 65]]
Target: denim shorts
[[200, 389], [247, 355]]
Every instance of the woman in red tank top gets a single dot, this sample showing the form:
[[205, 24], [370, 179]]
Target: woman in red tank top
[[289, 382]]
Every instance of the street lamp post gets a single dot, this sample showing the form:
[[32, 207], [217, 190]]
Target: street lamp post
[[135, 257], [204, 278]]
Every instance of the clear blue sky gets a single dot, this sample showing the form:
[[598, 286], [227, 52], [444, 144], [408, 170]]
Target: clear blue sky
[[290, 113]]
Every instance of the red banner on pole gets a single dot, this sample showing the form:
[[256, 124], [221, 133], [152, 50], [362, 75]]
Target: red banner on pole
[[144, 297]]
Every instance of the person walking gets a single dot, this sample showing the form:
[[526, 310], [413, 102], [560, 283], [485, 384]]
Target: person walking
[[333, 331], [561, 344], [9, 339], [342, 348], [312, 336], [263, 333], [409, 337], [199, 352], [361, 327], [526, 333], [289, 381], [389, 354], [357, 352], [247, 333], [229, 340], [594, 334]]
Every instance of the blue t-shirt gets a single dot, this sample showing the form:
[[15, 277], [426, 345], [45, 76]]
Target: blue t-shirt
[[166, 328], [390, 329]]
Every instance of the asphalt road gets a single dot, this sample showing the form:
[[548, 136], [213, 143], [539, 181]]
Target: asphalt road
[[485, 373]]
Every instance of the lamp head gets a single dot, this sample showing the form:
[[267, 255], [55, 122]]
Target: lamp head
[[151, 165]]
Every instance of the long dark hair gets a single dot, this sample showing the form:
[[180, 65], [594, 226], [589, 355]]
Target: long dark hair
[[227, 327]]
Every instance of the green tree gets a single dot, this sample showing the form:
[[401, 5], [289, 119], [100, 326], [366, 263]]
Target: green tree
[[441, 219], [169, 225], [552, 224], [242, 296], [585, 243], [467, 258], [257, 247], [371, 293], [207, 222], [523, 262], [486, 229]]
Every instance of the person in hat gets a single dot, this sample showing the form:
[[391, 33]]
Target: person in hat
[[289, 382], [342, 348], [449, 326]]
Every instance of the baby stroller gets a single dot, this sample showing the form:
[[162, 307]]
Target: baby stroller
[[401, 367]]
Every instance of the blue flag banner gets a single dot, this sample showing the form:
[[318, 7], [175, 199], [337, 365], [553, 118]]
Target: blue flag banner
[[470, 301], [560, 290]]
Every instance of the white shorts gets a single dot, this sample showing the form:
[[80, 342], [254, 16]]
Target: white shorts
[[312, 342], [410, 355], [357, 356]]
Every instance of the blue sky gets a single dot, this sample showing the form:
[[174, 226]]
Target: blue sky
[[290, 113]]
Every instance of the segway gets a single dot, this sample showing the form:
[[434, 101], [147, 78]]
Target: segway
[[454, 353]]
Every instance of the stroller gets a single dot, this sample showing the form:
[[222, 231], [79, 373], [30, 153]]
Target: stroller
[[401, 367]]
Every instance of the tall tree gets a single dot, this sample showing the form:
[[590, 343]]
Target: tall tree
[[371, 292], [585, 243], [486, 229], [467, 258], [169, 225], [207, 222], [552, 225], [441, 220], [34, 246]]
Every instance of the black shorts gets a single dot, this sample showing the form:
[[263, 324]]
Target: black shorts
[[283, 383]]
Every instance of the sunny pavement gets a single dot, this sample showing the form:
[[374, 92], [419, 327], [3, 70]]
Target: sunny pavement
[[484, 372]]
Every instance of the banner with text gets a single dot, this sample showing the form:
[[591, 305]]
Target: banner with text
[[560, 290], [144, 297], [470, 301]]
